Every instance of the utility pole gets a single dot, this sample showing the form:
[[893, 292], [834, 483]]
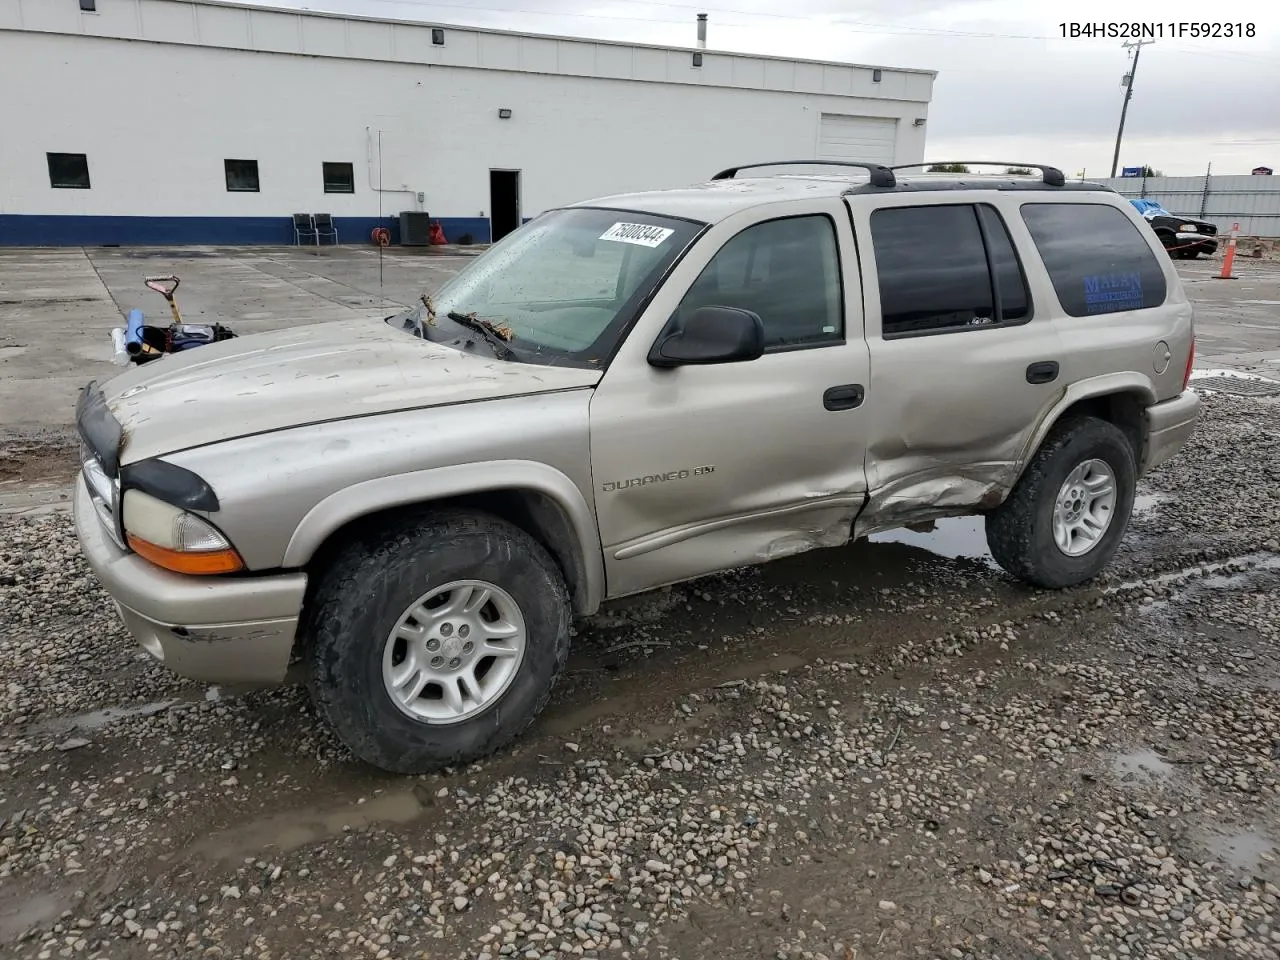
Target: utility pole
[[1137, 46]]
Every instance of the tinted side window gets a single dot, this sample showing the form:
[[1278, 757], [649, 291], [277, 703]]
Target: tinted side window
[[1013, 300], [932, 269], [787, 271], [1096, 258]]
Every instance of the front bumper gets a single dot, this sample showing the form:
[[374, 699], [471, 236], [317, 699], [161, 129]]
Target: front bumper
[[1169, 425], [216, 629], [1202, 242]]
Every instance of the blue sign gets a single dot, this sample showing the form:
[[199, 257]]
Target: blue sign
[[1130, 171], [1113, 292]]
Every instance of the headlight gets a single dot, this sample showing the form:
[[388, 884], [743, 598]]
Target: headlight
[[1189, 228], [174, 539]]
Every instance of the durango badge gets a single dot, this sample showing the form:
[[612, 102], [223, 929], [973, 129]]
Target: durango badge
[[611, 486]]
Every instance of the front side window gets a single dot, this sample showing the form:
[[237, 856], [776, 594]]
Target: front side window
[[787, 271], [946, 268], [1097, 259], [565, 286]]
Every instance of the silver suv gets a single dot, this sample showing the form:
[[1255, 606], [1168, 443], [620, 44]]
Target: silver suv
[[626, 393]]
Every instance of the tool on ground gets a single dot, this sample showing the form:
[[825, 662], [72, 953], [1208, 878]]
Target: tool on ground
[[140, 343]]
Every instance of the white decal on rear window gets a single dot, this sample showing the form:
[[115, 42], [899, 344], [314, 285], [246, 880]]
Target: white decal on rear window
[[638, 233]]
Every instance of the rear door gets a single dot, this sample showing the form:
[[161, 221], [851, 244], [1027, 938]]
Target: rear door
[[963, 364]]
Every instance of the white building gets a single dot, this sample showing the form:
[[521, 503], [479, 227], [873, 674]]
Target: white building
[[199, 121]]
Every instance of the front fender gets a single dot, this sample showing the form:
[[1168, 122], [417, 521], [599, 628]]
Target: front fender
[[439, 483]]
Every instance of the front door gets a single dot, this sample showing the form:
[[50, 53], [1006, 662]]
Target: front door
[[705, 468]]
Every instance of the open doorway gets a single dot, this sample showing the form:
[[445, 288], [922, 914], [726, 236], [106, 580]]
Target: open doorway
[[504, 202]]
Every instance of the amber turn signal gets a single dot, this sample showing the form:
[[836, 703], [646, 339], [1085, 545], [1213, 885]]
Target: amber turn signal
[[197, 563]]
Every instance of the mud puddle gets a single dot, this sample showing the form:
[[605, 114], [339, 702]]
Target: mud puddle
[[34, 911], [955, 538], [965, 538], [282, 832], [1142, 765], [1221, 574], [1248, 850]]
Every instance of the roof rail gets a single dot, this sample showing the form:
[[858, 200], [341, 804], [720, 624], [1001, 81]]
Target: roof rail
[[1052, 176], [881, 176]]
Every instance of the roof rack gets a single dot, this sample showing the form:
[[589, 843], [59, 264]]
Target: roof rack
[[881, 176], [1052, 176]]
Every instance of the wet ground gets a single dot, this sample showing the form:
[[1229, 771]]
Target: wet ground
[[884, 750]]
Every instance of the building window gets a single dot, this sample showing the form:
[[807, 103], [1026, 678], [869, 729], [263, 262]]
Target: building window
[[242, 175], [946, 268], [788, 272], [89, 6], [437, 36], [339, 178], [697, 59], [68, 171], [1098, 260]]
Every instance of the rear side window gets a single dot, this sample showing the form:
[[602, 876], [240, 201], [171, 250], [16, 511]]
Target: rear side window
[[946, 268], [1098, 260]]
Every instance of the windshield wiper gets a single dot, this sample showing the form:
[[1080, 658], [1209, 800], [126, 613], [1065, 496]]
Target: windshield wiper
[[487, 330]]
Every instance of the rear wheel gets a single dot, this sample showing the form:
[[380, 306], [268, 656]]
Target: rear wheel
[[1064, 519], [437, 642]]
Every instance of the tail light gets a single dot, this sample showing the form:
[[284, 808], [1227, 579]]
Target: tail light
[[1191, 359]]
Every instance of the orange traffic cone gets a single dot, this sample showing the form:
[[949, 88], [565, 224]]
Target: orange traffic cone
[[1229, 257]]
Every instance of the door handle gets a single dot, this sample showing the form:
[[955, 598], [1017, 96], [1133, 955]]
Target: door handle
[[844, 397], [1046, 371]]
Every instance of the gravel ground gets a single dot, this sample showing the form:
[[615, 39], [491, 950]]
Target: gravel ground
[[867, 752]]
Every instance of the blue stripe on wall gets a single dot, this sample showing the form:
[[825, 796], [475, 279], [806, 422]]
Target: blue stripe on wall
[[25, 230]]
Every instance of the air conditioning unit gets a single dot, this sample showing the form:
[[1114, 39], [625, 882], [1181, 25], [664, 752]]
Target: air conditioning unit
[[415, 228]]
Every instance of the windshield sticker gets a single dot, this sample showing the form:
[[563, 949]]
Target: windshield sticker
[[1113, 292], [641, 234]]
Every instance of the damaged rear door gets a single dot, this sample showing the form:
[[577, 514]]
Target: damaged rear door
[[962, 367], [708, 467]]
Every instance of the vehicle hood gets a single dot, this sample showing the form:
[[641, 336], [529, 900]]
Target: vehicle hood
[[304, 375], [1151, 210]]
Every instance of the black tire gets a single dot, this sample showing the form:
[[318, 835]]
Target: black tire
[[1020, 530], [374, 580], [1189, 254]]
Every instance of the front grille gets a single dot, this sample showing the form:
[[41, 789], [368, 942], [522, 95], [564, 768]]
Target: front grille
[[1209, 229]]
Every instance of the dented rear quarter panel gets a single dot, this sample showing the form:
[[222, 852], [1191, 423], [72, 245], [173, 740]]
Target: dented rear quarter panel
[[953, 420]]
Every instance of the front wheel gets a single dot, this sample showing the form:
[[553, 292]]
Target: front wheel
[[436, 642], [1065, 517]]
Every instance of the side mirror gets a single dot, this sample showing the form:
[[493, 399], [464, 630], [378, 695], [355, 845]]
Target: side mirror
[[711, 335]]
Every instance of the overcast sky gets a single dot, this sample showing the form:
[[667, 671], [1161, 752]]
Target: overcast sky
[[1008, 86]]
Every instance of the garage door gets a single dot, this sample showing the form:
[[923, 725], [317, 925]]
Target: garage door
[[844, 137]]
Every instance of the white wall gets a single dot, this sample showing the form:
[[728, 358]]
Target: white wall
[[156, 121]]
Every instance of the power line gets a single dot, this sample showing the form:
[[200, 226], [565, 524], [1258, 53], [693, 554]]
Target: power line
[[1137, 46]]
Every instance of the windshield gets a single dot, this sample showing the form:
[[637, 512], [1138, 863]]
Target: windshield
[[564, 287]]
